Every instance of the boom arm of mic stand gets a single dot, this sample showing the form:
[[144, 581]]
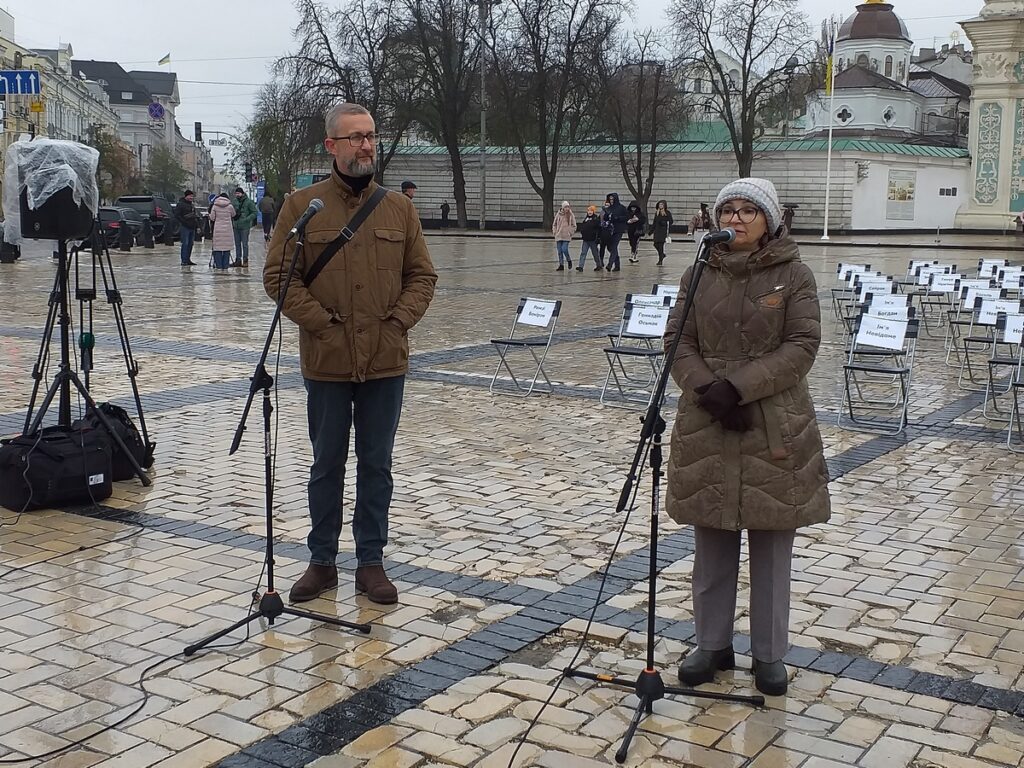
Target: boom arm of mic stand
[[653, 421], [261, 379]]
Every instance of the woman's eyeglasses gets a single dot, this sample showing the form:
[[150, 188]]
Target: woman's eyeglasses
[[746, 214]]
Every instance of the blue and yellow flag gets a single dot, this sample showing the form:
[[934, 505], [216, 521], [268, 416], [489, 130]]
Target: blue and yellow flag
[[165, 60], [829, 63]]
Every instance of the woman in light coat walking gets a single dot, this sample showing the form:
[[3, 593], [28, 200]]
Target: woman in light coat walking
[[563, 227], [221, 214], [746, 451]]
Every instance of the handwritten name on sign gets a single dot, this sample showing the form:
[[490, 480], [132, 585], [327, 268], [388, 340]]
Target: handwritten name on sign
[[537, 313], [647, 321], [881, 332]]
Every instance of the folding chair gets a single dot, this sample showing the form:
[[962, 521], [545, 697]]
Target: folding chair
[[980, 333], [666, 289], [1012, 279], [938, 299], [881, 357], [1006, 353], [865, 286], [620, 337], [1015, 331], [639, 321], [990, 267], [959, 316], [845, 274], [531, 314]]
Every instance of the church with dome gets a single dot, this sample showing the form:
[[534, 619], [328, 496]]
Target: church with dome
[[884, 92]]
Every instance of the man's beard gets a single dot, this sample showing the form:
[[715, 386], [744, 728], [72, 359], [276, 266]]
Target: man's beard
[[360, 166]]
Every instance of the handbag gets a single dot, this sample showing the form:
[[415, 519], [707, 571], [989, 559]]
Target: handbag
[[54, 467], [668, 238]]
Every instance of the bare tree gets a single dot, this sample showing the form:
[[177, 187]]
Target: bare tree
[[751, 51], [545, 54], [286, 128], [643, 105], [443, 45], [354, 53]]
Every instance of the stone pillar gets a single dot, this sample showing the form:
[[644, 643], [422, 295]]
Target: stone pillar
[[997, 117]]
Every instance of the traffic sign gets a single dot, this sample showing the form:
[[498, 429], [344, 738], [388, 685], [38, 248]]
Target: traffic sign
[[217, 142], [20, 81], [156, 110]]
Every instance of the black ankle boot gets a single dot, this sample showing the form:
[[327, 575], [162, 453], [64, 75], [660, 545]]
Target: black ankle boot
[[700, 666], [771, 678]]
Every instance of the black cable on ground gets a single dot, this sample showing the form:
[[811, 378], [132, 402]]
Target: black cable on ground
[[590, 619]]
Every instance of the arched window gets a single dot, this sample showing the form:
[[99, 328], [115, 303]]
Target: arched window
[[888, 66], [862, 60]]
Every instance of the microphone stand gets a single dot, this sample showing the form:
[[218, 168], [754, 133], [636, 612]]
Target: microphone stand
[[649, 686], [271, 606]]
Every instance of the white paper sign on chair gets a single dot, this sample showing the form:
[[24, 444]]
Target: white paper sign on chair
[[881, 332], [537, 312], [647, 321], [990, 309], [1014, 333]]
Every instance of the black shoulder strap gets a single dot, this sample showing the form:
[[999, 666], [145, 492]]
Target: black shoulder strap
[[347, 233]]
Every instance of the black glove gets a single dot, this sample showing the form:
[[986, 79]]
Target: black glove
[[721, 400], [718, 399]]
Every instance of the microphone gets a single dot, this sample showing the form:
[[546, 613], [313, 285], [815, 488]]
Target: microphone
[[315, 206], [727, 235]]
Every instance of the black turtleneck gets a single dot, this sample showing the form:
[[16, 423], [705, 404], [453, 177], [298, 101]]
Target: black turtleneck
[[356, 183]]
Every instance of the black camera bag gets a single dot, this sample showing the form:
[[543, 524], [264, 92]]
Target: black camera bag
[[56, 468], [125, 428]]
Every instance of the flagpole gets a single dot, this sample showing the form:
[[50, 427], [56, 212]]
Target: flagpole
[[831, 118]]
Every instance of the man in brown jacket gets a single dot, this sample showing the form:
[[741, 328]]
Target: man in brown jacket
[[353, 321]]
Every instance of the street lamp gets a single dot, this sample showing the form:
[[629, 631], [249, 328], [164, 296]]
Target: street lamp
[[791, 64], [485, 6]]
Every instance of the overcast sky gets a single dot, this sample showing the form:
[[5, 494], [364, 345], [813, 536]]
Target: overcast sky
[[221, 51]]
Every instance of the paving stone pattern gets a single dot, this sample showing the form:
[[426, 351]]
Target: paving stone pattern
[[908, 647]]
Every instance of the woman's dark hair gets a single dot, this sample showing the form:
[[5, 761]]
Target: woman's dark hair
[[660, 203]]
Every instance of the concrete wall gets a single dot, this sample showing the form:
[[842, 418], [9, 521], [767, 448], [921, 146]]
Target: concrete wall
[[683, 179], [931, 209]]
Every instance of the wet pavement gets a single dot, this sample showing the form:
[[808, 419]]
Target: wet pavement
[[907, 605]]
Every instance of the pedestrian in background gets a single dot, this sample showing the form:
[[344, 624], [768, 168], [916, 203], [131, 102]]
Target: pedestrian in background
[[746, 451], [267, 208], [613, 223], [222, 213], [701, 223], [185, 213], [660, 228], [590, 230], [246, 210], [445, 211], [408, 189], [562, 228], [636, 225]]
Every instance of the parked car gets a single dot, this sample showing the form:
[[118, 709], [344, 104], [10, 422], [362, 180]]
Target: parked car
[[112, 218], [159, 210]]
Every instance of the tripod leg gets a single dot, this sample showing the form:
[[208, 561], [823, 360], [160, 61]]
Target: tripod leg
[[642, 706], [189, 650], [44, 353]]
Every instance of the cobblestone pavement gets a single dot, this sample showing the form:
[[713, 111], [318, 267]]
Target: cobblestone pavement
[[906, 624]]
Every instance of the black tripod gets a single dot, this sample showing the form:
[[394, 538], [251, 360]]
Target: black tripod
[[271, 605], [59, 314], [649, 687]]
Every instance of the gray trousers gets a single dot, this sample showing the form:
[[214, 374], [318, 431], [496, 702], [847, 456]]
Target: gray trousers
[[716, 567]]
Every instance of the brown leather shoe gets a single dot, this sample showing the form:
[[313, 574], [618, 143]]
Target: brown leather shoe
[[314, 582], [372, 580]]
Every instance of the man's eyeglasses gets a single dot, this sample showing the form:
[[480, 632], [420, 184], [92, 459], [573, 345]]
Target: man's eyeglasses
[[357, 139], [746, 214]]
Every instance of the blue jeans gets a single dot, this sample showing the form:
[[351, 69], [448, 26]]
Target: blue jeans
[[332, 408], [592, 247], [221, 259], [242, 245], [188, 239], [613, 251], [562, 246]]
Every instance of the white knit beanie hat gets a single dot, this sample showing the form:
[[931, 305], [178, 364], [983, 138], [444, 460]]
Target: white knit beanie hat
[[760, 192]]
